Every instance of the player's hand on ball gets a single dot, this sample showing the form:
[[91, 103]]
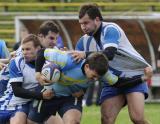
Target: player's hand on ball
[[48, 94], [41, 78], [51, 74]]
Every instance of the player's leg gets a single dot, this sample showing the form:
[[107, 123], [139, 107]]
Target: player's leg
[[110, 108], [135, 99], [54, 120], [111, 101], [136, 107], [40, 110], [19, 118], [71, 111], [72, 116]]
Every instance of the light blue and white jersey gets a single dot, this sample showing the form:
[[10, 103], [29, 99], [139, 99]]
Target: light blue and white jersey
[[4, 53], [71, 72], [72, 78], [19, 72], [127, 61]]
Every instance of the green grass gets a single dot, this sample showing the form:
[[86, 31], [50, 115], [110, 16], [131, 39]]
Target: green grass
[[91, 115]]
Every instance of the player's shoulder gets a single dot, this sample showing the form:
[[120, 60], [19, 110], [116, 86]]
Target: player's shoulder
[[85, 38], [53, 51], [110, 26], [18, 58], [2, 42], [17, 61]]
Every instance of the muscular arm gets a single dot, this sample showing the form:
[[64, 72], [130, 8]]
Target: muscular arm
[[19, 91]]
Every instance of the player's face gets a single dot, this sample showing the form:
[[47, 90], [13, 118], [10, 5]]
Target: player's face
[[88, 25], [91, 74], [29, 51], [49, 41]]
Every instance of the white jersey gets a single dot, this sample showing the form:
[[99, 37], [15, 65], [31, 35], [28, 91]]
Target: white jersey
[[127, 61], [19, 72]]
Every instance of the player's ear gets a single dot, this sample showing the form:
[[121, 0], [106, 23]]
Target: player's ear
[[97, 19], [86, 66], [38, 48]]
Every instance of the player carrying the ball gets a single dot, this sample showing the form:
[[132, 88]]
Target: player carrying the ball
[[92, 68], [74, 78]]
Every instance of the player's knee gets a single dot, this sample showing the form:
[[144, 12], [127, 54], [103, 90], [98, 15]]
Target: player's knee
[[107, 119], [18, 122], [138, 120], [72, 121], [30, 122]]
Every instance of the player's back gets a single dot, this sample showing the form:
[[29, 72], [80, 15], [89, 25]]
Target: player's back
[[71, 72]]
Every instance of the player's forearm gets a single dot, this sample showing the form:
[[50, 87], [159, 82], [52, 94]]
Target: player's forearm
[[129, 82], [5, 61], [122, 82], [19, 91]]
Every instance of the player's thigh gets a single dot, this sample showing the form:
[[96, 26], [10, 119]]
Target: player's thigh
[[19, 118], [71, 110], [135, 102], [111, 106], [72, 116]]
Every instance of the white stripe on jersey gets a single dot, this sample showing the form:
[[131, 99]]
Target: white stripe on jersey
[[92, 46], [19, 79]]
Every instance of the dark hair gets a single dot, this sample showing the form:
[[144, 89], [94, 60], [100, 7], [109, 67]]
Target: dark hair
[[98, 62], [47, 26], [91, 9], [31, 38]]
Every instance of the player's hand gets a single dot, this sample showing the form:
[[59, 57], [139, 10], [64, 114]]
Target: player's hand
[[148, 72], [78, 55], [78, 94], [2, 65], [48, 94], [13, 54], [42, 79]]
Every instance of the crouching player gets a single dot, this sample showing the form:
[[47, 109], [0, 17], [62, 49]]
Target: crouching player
[[74, 77]]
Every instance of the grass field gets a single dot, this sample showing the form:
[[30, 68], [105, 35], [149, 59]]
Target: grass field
[[91, 115]]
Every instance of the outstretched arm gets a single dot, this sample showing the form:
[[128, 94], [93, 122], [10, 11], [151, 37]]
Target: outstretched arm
[[123, 82]]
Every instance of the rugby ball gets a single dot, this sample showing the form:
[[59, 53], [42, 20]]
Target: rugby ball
[[51, 72]]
